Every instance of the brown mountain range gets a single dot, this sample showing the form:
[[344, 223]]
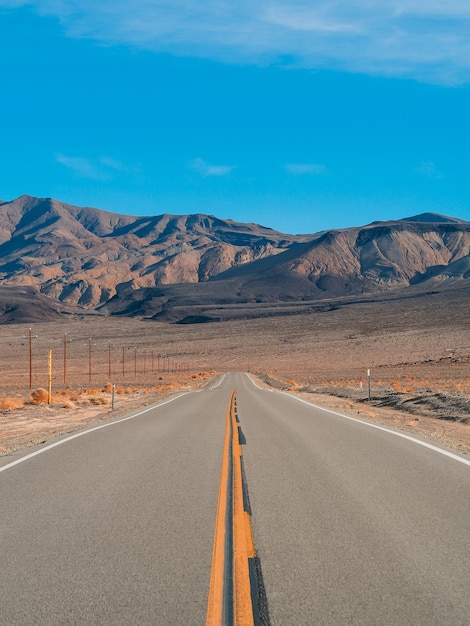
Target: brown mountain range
[[198, 267]]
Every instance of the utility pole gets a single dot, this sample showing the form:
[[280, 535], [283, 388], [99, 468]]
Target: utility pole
[[89, 360], [30, 359], [49, 377], [65, 358]]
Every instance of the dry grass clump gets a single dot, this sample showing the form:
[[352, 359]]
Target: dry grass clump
[[98, 400], [202, 375], [167, 387], [401, 387], [39, 396], [125, 390], [69, 405], [9, 404], [293, 385], [67, 398], [462, 387]]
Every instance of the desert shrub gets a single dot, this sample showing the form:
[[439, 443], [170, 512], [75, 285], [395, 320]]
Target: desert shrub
[[124, 390], [461, 387], [39, 396], [108, 387], [8, 404], [69, 405], [98, 400]]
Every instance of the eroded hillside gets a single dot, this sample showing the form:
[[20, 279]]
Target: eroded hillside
[[182, 267]]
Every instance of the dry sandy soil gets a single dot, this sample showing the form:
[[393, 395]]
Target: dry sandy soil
[[417, 351]]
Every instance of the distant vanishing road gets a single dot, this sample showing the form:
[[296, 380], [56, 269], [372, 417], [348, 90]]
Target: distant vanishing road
[[352, 524]]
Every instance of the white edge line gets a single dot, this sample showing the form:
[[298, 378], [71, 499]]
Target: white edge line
[[219, 383], [387, 430], [262, 389], [86, 432]]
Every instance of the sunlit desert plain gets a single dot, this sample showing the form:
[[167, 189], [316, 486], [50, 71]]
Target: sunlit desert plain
[[403, 361]]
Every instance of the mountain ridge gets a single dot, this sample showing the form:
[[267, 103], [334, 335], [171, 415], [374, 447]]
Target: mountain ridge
[[113, 263]]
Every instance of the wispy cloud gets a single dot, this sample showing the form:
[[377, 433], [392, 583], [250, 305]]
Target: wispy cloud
[[315, 169], [430, 170], [427, 41], [207, 169], [102, 169]]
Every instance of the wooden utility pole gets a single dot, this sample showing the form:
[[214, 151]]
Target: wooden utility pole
[[65, 358], [30, 359], [89, 360], [49, 377]]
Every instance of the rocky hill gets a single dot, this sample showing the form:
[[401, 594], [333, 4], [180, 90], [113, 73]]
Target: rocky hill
[[184, 268], [84, 256], [405, 258]]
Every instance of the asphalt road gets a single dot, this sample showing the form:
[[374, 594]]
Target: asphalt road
[[352, 524], [116, 527]]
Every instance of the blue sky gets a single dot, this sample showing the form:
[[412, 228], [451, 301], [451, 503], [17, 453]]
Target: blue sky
[[300, 115]]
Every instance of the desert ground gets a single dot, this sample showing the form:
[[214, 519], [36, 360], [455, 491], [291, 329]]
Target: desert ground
[[417, 351]]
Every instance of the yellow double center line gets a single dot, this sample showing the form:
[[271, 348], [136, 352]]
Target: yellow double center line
[[230, 599]]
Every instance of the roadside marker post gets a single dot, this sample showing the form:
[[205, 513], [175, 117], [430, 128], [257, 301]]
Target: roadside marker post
[[368, 383]]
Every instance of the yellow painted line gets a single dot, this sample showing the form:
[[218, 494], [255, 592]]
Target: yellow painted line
[[243, 546], [216, 586], [243, 607]]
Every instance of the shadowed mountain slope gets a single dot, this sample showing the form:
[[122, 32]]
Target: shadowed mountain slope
[[20, 305]]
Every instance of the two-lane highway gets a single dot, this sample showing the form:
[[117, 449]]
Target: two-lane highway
[[352, 524]]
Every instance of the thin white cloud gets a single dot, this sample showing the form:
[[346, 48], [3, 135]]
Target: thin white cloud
[[426, 40], [430, 170], [102, 169], [308, 19], [207, 169], [315, 169]]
